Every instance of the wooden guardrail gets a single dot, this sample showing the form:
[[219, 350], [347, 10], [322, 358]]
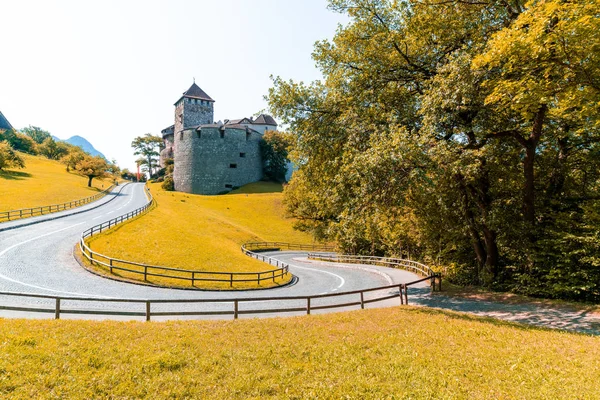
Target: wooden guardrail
[[43, 210], [145, 270], [400, 263], [304, 304]]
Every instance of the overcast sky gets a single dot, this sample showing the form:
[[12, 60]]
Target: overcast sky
[[111, 70]]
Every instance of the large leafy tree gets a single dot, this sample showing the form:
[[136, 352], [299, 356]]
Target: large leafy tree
[[36, 133], [461, 132], [148, 146], [92, 167], [9, 158]]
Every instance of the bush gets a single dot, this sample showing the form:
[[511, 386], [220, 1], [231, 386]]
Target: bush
[[168, 183]]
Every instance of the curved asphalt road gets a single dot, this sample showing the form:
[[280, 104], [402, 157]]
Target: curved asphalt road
[[37, 258]]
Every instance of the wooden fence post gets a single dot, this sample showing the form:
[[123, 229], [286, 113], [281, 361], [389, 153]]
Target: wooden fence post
[[362, 300], [308, 305], [405, 294], [400, 292], [57, 309], [147, 311], [145, 272], [235, 309]]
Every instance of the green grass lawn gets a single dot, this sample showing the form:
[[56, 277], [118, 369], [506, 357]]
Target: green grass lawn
[[203, 233], [43, 182], [383, 353]]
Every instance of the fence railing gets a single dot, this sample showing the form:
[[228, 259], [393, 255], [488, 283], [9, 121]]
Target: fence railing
[[145, 270], [400, 263], [282, 304], [43, 210]]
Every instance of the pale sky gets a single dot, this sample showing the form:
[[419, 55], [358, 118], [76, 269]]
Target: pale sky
[[111, 70]]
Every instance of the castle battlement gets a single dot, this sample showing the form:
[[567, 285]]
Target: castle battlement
[[209, 157]]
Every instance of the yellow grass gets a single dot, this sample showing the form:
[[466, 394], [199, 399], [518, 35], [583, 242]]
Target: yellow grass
[[371, 354], [203, 233], [43, 182]]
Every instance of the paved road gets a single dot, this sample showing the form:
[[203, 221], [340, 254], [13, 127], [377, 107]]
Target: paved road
[[37, 258]]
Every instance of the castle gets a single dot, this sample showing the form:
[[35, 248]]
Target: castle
[[212, 157]]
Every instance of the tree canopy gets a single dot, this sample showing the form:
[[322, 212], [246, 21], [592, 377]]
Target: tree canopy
[[148, 146], [464, 133]]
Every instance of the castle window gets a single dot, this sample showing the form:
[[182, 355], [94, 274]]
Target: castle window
[[199, 133], [242, 155], [222, 134], [228, 186], [248, 136], [181, 118], [181, 135], [232, 165]]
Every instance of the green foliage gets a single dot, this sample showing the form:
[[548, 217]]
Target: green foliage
[[168, 183], [148, 146], [19, 141], [274, 148], [36, 133], [52, 149], [9, 158], [460, 133]]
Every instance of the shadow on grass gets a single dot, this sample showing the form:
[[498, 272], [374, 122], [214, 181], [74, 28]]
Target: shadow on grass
[[507, 313], [259, 187], [14, 175]]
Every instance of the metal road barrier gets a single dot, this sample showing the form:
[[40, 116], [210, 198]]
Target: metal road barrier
[[43, 210]]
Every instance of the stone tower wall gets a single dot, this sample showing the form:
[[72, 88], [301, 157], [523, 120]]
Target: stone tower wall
[[213, 161], [192, 112]]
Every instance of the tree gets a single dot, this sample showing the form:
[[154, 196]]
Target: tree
[[52, 149], [19, 141], [466, 132], [148, 146], [92, 167], [9, 158], [274, 148], [36, 133], [75, 155]]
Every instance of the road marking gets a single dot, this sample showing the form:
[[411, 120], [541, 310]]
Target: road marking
[[99, 216], [342, 280], [2, 276]]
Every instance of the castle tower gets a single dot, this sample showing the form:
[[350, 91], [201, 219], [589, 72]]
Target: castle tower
[[193, 108]]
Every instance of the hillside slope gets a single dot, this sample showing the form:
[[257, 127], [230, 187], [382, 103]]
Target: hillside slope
[[42, 182], [392, 353]]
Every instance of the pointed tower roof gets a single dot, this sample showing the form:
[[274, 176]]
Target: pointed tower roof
[[194, 92], [4, 124]]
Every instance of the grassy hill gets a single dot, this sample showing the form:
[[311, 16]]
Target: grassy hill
[[372, 354], [203, 233], [42, 182]]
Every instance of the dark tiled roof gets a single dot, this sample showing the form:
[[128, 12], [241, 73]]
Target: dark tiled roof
[[238, 121], [264, 119], [195, 92], [4, 124], [168, 130]]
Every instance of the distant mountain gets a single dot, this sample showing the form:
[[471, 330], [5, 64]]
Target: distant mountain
[[83, 143]]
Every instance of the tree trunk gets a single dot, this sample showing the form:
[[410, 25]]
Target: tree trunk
[[529, 164], [90, 181]]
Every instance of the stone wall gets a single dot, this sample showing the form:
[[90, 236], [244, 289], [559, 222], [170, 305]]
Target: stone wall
[[214, 160], [190, 113], [168, 151]]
